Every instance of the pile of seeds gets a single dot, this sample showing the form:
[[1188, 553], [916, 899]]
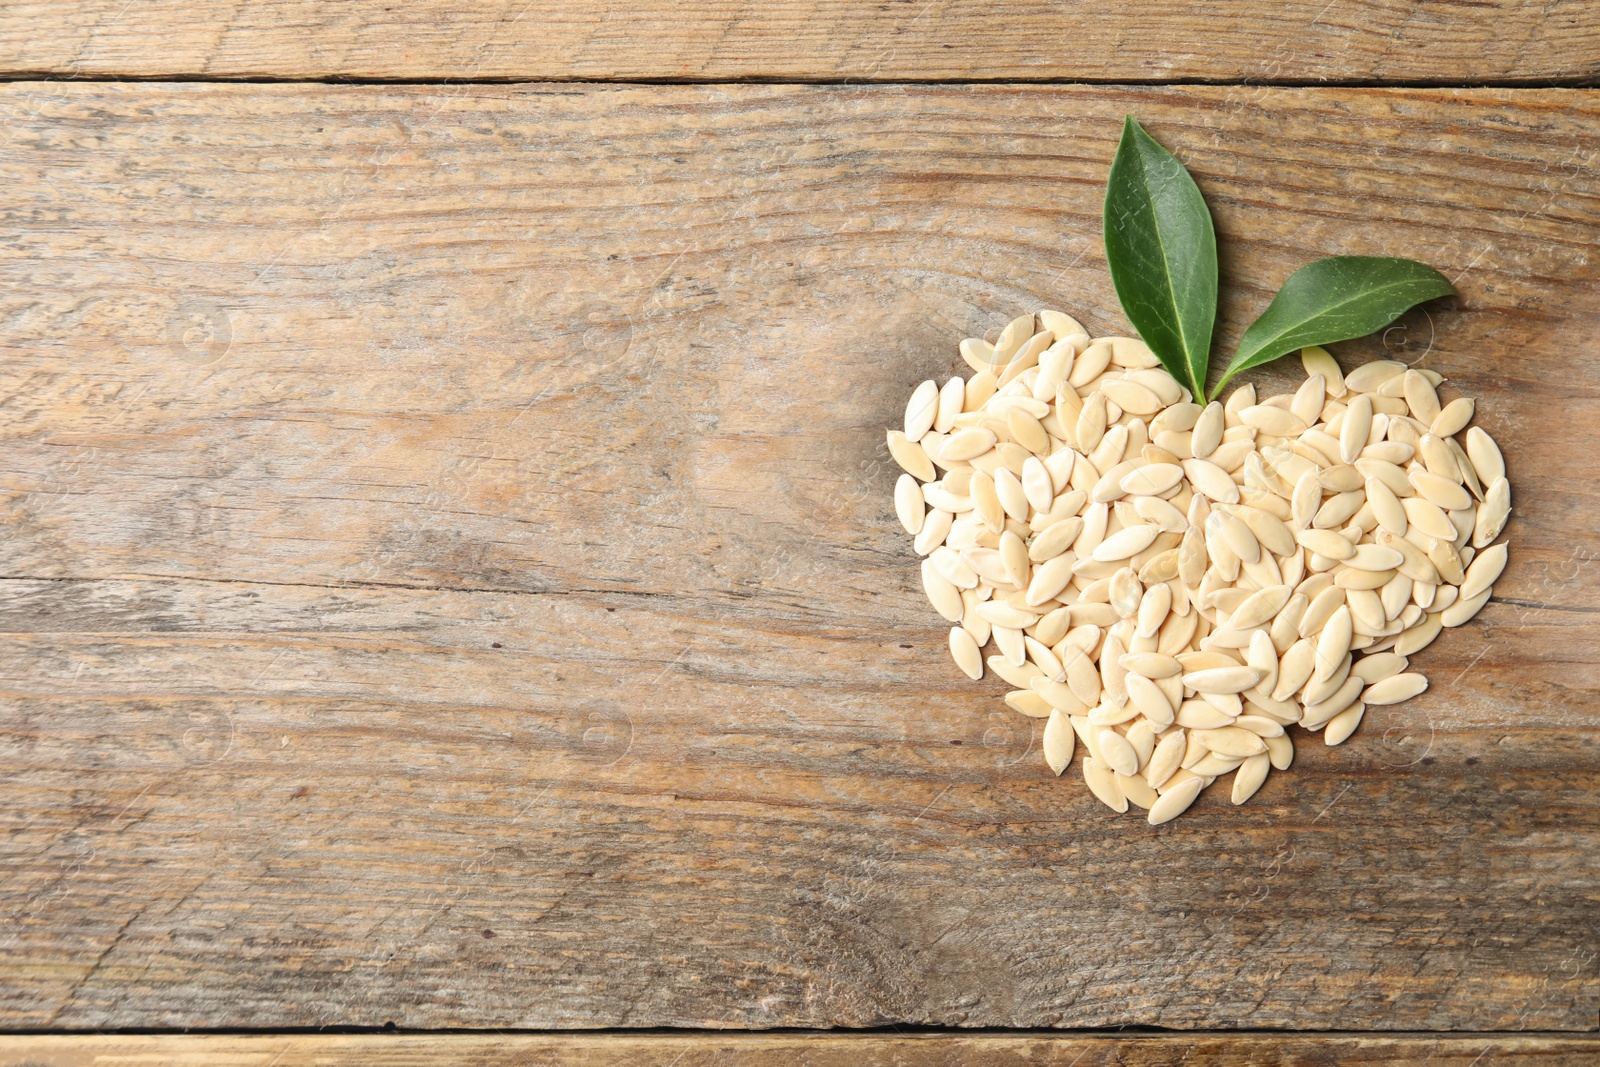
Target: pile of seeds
[[1172, 585]]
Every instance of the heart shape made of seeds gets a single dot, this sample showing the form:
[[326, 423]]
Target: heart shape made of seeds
[[1173, 586]]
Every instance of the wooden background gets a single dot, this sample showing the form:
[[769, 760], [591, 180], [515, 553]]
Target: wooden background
[[449, 576], [1435, 41]]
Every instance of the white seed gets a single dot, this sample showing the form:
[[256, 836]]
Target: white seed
[[1059, 741], [1267, 528], [1369, 376], [1008, 639], [1485, 456], [1260, 725], [944, 596], [1200, 715], [1050, 578], [1309, 400], [1152, 479], [1012, 338], [1239, 539], [1333, 644], [978, 353], [1232, 741], [1151, 702], [966, 444], [1175, 801], [1002, 614], [1318, 714], [908, 504], [1306, 499], [1055, 539], [1492, 515], [1037, 485], [1286, 627], [1387, 473], [1109, 486], [986, 501], [1394, 689], [1339, 509], [952, 398], [1131, 397], [1386, 507], [1053, 627], [1326, 543], [1273, 420], [1259, 607], [1207, 432], [1395, 596], [1415, 564], [955, 569], [1134, 353], [1462, 611], [1366, 613], [1483, 571], [1342, 725], [1355, 427], [1014, 558], [1082, 678], [1211, 480], [1222, 679], [1242, 397], [1377, 667], [1153, 665], [980, 387], [964, 650], [1091, 423], [1154, 605], [1098, 777], [1020, 676], [1055, 363], [935, 528], [1375, 558], [1262, 654], [1420, 397], [1160, 514], [911, 457], [1117, 753], [1013, 499], [1317, 360], [1280, 750], [1027, 702], [1125, 543], [1442, 491], [1090, 364], [1428, 518], [1448, 561], [1249, 777], [1453, 418], [922, 409]]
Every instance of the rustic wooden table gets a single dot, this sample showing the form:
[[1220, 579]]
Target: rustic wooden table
[[449, 579]]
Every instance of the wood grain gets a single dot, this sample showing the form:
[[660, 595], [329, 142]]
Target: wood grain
[[819, 1050], [451, 579], [1300, 41]]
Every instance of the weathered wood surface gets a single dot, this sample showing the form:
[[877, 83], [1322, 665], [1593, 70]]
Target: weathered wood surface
[[860, 40], [820, 1050], [451, 578]]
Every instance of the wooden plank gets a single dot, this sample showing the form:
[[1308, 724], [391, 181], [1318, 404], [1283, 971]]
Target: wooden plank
[[821, 1050], [1301, 41], [451, 579]]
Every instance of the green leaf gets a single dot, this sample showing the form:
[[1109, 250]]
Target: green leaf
[[1335, 299], [1162, 251]]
